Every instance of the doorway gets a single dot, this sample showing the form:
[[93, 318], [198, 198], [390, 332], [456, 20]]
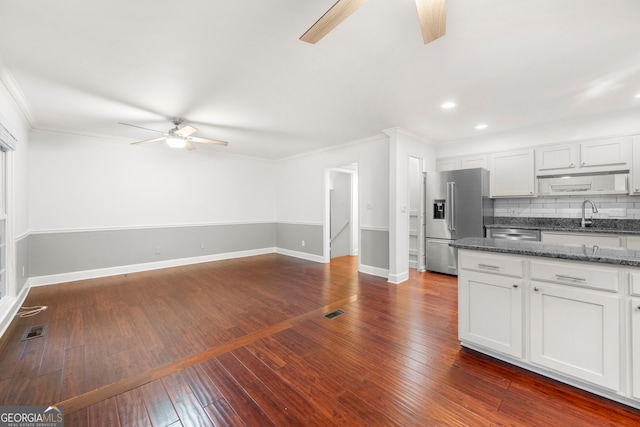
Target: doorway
[[341, 215], [416, 214]]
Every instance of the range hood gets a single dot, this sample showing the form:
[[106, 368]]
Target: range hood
[[559, 185]]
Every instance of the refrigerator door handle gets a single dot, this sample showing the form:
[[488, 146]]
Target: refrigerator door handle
[[451, 192]]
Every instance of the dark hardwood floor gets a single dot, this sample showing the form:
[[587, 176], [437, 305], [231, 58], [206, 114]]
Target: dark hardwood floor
[[245, 342]]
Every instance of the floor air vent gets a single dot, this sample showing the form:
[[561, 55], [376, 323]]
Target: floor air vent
[[333, 314], [34, 332]]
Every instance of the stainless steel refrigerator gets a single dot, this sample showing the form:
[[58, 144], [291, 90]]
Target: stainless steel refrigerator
[[457, 206]]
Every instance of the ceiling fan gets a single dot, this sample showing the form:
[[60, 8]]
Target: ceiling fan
[[178, 137], [431, 13]]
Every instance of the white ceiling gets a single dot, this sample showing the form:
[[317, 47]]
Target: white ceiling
[[237, 71]]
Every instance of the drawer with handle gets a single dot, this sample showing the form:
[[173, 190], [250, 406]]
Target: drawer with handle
[[576, 274], [504, 265]]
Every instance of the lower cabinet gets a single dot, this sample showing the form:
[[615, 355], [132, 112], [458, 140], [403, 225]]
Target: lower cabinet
[[490, 311], [635, 346], [575, 331], [567, 319]]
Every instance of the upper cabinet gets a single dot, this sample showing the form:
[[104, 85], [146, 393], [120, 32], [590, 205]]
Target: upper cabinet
[[602, 155], [448, 164], [557, 157], [512, 174], [466, 162]]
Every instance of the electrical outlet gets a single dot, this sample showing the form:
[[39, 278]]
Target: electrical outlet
[[157, 250], [202, 245], [303, 243], [513, 211], [23, 271]]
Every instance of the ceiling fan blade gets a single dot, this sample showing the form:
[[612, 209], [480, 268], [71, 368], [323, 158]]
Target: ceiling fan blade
[[189, 146], [186, 131], [206, 141], [148, 140], [140, 127], [433, 19], [334, 16]]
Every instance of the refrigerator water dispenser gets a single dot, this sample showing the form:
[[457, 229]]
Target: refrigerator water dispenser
[[439, 209]]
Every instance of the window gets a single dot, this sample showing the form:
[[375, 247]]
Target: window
[[3, 224]]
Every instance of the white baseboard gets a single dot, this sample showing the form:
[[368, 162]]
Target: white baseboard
[[9, 306], [374, 271], [135, 268], [303, 255], [398, 278]]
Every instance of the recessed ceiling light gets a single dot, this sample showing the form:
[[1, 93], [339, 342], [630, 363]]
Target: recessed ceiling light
[[638, 95], [481, 126], [448, 105]]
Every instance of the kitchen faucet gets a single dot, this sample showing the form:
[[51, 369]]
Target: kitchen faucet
[[587, 222]]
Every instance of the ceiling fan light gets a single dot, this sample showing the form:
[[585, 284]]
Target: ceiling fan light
[[174, 142]]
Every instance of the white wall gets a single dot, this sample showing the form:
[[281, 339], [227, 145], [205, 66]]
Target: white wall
[[12, 118], [625, 123], [81, 183], [300, 183], [403, 147]]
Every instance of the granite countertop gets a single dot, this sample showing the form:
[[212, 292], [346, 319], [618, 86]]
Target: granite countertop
[[600, 225], [617, 256]]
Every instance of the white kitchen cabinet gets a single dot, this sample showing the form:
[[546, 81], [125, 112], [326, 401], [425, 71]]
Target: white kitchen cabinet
[[471, 162], [490, 308], [635, 347], [490, 305], [550, 159], [447, 164], [635, 166], [634, 313], [512, 174], [466, 162], [582, 238], [612, 153], [575, 331], [597, 156]]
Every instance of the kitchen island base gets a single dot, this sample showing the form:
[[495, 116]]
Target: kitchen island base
[[577, 322]]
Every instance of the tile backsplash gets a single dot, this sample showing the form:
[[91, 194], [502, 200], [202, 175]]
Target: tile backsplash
[[612, 206]]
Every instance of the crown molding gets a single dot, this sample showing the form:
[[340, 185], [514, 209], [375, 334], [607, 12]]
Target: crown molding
[[7, 79]]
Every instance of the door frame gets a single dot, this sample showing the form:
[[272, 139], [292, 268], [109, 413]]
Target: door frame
[[354, 240]]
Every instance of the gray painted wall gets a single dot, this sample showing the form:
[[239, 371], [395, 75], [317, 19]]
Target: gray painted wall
[[68, 252], [290, 236], [57, 253], [374, 248]]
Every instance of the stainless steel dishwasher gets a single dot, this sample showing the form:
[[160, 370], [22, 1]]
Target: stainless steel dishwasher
[[514, 234]]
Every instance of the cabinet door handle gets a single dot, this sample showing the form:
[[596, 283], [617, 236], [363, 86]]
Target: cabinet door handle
[[515, 285], [563, 277], [488, 267], [536, 289]]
